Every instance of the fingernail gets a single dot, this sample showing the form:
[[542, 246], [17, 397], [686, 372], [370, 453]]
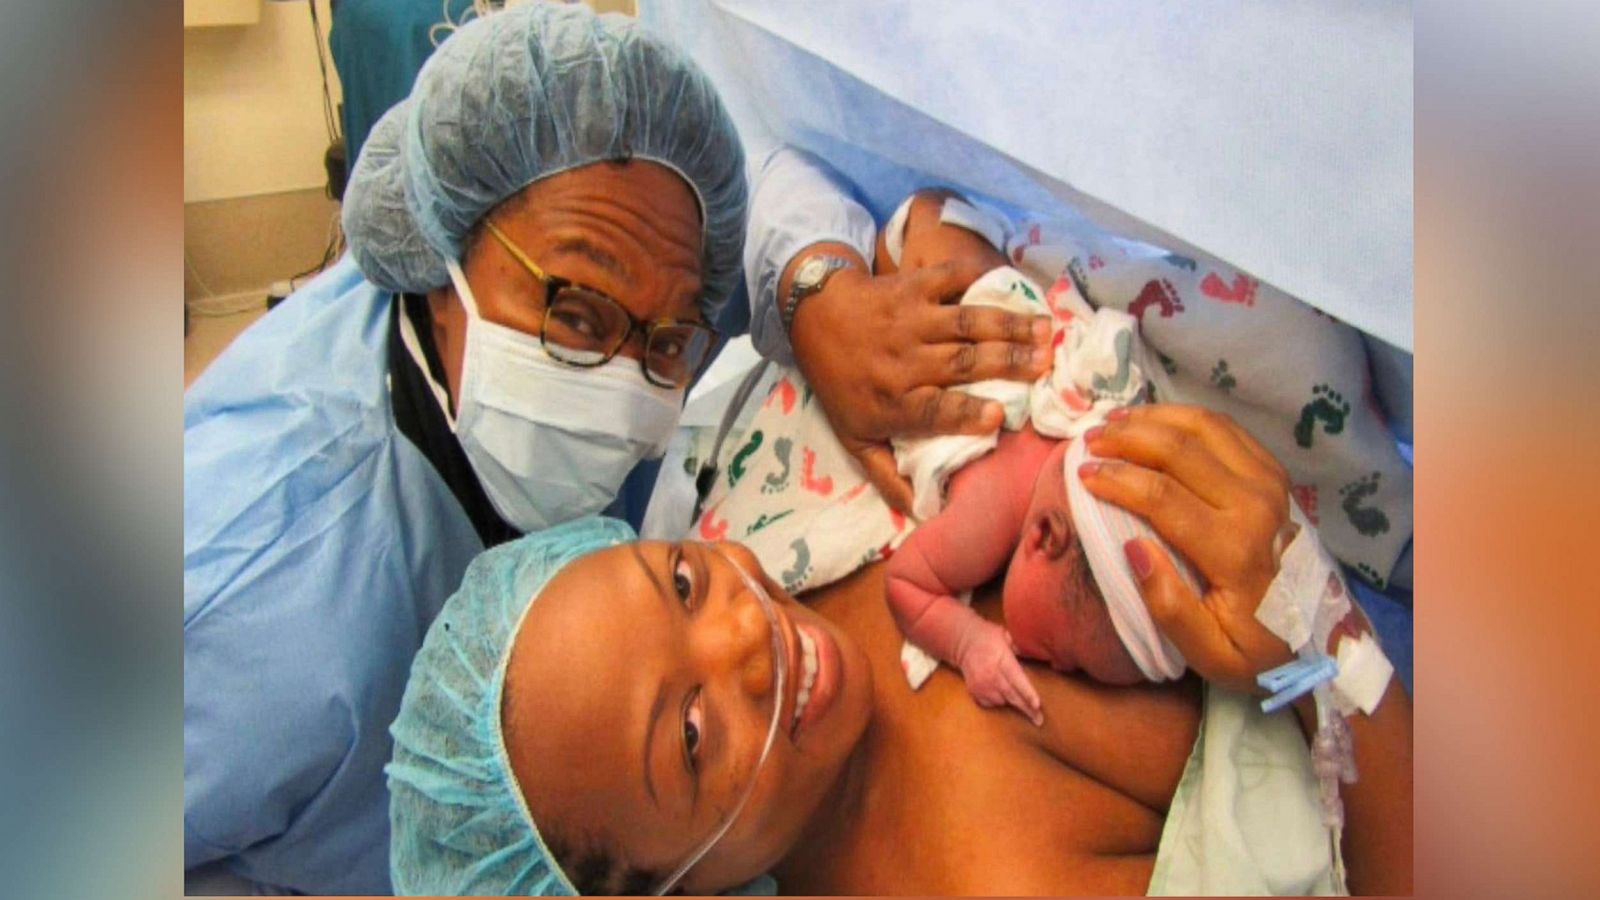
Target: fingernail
[[1088, 469], [1139, 559], [1040, 357], [1094, 433], [1041, 328], [1120, 412]]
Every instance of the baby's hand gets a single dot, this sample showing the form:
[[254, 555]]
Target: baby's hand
[[988, 660]]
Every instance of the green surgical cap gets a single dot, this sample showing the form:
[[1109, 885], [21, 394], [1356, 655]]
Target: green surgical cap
[[458, 822], [527, 93]]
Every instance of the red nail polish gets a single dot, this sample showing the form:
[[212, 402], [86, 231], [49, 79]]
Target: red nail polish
[[1120, 412], [1088, 470], [1094, 433], [1139, 559]]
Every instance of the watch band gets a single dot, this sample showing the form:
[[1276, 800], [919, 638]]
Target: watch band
[[811, 276]]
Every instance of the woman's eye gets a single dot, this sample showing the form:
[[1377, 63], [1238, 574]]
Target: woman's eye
[[683, 579], [693, 725]]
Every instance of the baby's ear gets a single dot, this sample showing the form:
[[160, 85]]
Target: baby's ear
[[1047, 534], [1034, 536]]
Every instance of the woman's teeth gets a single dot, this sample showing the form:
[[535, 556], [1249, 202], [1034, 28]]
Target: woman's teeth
[[808, 674]]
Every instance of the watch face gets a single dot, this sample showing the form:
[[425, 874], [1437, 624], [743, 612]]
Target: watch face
[[810, 271]]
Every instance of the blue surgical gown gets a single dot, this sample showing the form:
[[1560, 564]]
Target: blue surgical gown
[[318, 544]]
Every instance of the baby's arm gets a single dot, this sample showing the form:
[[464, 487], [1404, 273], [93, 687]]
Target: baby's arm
[[930, 242], [963, 547]]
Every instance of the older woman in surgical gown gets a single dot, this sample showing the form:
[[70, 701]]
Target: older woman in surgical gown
[[348, 455]]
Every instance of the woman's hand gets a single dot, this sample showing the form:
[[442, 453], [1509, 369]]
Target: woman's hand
[[1220, 499], [879, 352]]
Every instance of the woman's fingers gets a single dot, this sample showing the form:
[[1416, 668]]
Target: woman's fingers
[[1186, 621], [976, 324], [1179, 452], [962, 363], [1188, 523], [931, 410], [1213, 431], [879, 465]]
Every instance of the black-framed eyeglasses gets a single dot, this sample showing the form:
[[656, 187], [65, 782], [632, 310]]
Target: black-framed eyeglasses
[[585, 328]]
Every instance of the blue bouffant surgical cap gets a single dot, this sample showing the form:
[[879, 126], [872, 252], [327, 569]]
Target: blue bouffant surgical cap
[[458, 821], [527, 93]]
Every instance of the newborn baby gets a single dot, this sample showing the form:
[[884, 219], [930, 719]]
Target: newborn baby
[[1010, 511], [1019, 509]]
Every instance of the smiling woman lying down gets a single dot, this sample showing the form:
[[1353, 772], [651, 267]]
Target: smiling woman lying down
[[589, 713]]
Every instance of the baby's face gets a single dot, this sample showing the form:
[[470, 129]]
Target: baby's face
[[1053, 607]]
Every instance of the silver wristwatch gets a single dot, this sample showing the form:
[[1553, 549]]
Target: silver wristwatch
[[813, 273]]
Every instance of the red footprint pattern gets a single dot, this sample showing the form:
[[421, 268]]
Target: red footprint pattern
[[785, 393], [710, 529], [1074, 399], [1052, 298], [1243, 289], [1305, 495], [808, 481], [853, 493], [1033, 240], [1160, 294]]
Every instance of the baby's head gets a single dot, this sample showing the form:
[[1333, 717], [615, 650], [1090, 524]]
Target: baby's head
[[1069, 596]]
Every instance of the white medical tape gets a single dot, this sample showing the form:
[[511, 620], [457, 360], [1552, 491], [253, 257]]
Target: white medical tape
[[1304, 603], [1364, 673]]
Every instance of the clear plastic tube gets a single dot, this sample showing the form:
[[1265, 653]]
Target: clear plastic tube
[[780, 669]]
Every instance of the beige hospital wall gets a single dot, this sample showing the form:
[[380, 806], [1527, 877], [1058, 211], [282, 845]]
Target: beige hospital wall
[[255, 209]]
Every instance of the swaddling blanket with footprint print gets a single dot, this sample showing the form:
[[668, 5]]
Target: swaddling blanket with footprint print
[[1297, 379]]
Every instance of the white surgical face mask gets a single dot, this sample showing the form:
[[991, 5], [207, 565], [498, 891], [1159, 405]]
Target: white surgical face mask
[[551, 442]]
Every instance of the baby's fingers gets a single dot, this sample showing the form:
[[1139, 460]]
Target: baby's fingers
[[1021, 694]]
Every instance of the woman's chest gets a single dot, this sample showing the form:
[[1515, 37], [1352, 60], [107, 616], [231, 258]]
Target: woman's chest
[[979, 800]]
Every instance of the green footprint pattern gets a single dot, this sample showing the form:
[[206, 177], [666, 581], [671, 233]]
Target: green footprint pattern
[[1371, 575], [1118, 383], [1167, 363], [763, 521], [736, 468], [1222, 378], [796, 575], [1327, 407], [1369, 520], [777, 481]]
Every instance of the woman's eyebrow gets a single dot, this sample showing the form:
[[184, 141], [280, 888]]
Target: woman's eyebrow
[[651, 726], [638, 555], [649, 740]]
